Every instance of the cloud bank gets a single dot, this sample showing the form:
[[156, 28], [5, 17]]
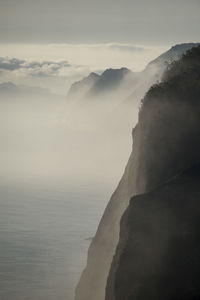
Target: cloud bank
[[56, 75], [37, 68]]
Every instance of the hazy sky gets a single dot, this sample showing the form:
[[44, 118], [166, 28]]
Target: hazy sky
[[91, 21], [88, 35]]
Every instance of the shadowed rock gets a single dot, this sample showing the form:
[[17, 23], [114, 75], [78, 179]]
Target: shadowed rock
[[158, 256], [158, 252], [168, 129]]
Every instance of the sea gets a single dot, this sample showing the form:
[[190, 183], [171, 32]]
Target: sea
[[45, 232]]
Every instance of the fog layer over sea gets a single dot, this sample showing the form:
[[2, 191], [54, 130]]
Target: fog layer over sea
[[59, 166]]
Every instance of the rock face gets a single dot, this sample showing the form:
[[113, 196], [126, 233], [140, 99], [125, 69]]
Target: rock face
[[154, 70], [158, 256], [168, 129], [160, 241], [173, 54]]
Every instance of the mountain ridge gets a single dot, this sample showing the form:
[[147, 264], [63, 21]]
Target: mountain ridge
[[132, 84]]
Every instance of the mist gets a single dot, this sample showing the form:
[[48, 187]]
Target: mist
[[44, 138], [65, 155], [61, 158]]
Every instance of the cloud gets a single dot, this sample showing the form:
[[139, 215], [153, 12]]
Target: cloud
[[46, 68], [126, 47], [34, 68], [52, 74], [10, 64], [93, 55], [112, 46]]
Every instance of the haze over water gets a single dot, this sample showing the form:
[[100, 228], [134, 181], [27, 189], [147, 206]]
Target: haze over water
[[44, 231], [59, 167]]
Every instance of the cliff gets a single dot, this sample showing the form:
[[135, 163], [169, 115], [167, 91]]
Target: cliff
[[158, 256], [159, 241], [155, 69], [168, 129], [173, 54]]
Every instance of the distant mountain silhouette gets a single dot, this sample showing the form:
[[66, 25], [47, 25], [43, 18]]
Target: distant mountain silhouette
[[11, 90], [111, 80], [80, 88], [8, 87], [123, 83]]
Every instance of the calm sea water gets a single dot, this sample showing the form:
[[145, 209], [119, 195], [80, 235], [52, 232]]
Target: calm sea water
[[44, 231]]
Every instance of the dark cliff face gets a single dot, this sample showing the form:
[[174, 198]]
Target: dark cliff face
[[156, 228], [166, 141], [158, 257], [169, 123]]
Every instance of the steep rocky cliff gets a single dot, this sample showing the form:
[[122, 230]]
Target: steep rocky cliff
[[160, 239], [158, 257], [166, 141]]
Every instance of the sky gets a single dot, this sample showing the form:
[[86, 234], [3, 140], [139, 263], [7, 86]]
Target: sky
[[92, 21], [62, 41]]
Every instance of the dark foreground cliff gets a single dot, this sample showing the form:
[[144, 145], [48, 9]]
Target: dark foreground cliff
[[158, 254], [166, 141], [158, 257]]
